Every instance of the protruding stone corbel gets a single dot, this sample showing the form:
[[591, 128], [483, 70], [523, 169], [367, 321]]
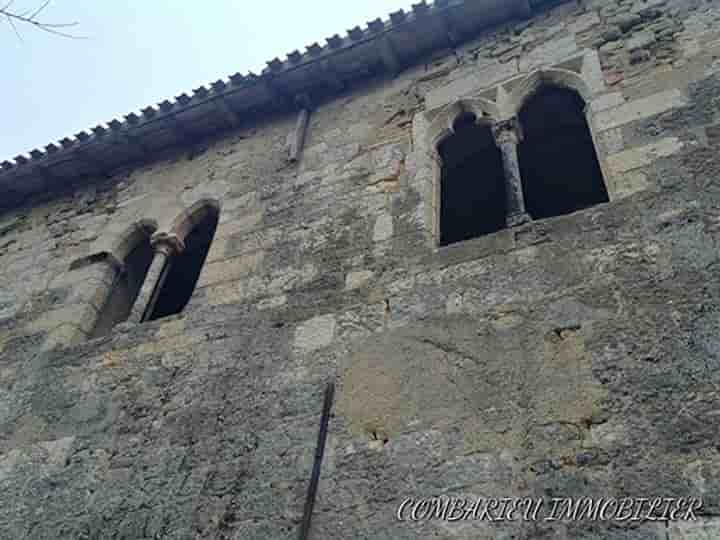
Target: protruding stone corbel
[[507, 135], [297, 137], [165, 247]]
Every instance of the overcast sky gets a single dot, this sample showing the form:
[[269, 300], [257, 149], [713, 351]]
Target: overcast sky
[[140, 52]]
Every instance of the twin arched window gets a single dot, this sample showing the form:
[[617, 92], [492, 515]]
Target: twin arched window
[[159, 273], [555, 156]]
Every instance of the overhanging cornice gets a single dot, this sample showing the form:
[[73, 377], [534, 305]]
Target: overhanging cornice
[[321, 71]]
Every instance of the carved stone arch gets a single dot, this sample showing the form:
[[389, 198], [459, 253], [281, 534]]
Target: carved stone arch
[[559, 164], [193, 215], [562, 78], [127, 262], [485, 111], [121, 245], [190, 235]]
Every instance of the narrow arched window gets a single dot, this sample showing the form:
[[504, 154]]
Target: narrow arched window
[[183, 270], [472, 185], [558, 163], [126, 287]]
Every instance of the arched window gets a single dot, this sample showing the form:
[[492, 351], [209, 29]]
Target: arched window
[[183, 270], [472, 185], [558, 164], [125, 289]]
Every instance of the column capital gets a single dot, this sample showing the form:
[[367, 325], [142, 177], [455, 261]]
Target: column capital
[[507, 131], [168, 244]]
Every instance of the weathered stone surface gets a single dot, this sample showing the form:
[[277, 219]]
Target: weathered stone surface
[[573, 356]]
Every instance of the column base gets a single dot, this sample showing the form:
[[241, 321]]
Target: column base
[[518, 219]]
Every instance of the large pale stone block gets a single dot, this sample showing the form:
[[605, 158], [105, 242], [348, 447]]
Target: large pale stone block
[[481, 77], [315, 333], [230, 269], [630, 183], [82, 316], [639, 109], [383, 228], [549, 53], [607, 101], [643, 155], [238, 224], [58, 450], [355, 280]]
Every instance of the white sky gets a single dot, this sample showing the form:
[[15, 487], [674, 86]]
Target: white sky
[[140, 52]]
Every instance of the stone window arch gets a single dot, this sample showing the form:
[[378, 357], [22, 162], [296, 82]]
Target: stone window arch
[[471, 190], [130, 267], [514, 110], [193, 234], [559, 166]]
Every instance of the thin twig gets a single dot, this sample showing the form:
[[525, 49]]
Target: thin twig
[[31, 17]]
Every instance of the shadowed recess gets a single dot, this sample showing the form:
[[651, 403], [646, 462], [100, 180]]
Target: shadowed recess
[[184, 271], [472, 192], [558, 164], [126, 288]]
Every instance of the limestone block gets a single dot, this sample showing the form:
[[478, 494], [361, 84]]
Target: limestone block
[[225, 293], [216, 189], [607, 101], [355, 280], [611, 141], [315, 333], [383, 228], [643, 155], [549, 53], [629, 183], [233, 224], [63, 336], [230, 269], [480, 77], [387, 163], [82, 316], [57, 450], [639, 109]]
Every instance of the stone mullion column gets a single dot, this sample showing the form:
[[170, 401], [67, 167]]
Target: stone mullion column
[[166, 247], [507, 137]]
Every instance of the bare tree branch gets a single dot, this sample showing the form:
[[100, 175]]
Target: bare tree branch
[[31, 17]]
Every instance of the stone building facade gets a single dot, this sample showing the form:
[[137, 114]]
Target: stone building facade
[[492, 223]]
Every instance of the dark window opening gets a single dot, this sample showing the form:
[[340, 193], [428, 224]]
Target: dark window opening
[[184, 269], [126, 288], [472, 186], [558, 164]]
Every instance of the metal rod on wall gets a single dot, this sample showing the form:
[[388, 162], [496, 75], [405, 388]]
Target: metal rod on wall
[[319, 452]]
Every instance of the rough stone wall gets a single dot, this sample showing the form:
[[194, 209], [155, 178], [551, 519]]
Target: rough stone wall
[[573, 356]]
